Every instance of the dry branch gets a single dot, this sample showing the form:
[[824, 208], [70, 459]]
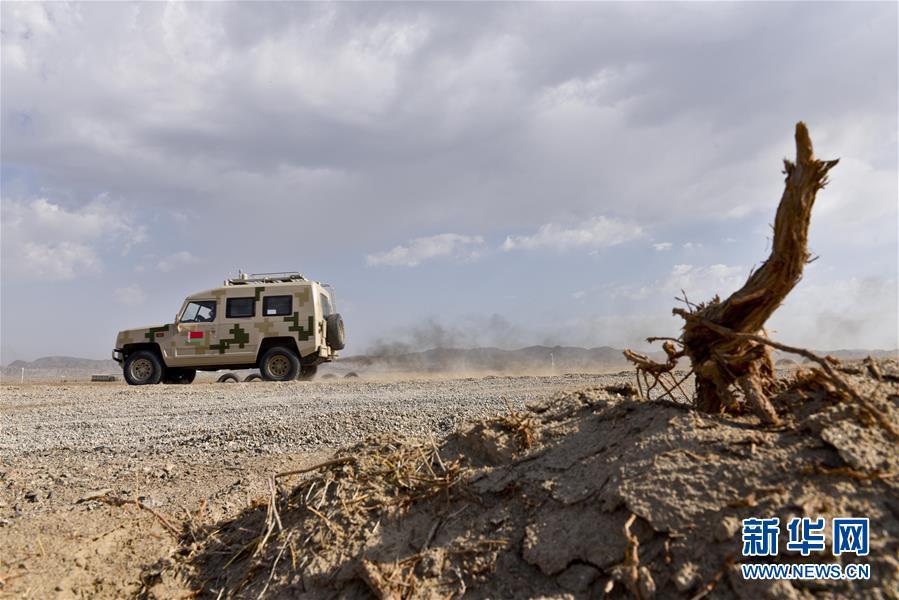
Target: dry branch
[[113, 501]]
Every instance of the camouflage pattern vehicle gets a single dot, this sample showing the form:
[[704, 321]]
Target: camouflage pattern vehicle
[[281, 323]]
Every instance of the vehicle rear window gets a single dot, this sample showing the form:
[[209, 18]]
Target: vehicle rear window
[[326, 305], [240, 308], [274, 306]]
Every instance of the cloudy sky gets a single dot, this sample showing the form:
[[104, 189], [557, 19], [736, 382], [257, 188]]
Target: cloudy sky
[[463, 174]]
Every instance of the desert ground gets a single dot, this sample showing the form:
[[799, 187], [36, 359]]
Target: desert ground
[[199, 453], [567, 486]]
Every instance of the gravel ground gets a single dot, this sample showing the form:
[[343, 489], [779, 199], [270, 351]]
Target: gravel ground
[[258, 417], [200, 452]]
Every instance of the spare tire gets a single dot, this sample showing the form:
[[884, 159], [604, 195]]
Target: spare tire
[[335, 337]]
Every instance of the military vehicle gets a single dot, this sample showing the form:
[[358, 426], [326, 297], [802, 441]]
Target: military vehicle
[[281, 323]]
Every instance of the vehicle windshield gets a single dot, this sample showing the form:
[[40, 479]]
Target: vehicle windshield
[[199, 311]]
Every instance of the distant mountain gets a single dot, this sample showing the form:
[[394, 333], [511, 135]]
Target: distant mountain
[[62, 362], [59, 367]]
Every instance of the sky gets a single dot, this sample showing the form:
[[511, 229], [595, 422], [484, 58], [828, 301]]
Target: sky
[[462, 174]]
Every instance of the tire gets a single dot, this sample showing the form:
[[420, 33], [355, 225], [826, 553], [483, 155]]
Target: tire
[[307, 372], [253, 377], [180, 376], [279, 364], [335, 338], [142, 368], [228, 378], [351, 375]]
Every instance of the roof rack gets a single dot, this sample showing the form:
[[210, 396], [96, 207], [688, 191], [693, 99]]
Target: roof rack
[[277, 276]]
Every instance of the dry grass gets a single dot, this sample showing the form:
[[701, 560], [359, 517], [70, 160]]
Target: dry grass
[[521, 426], [333, 511]]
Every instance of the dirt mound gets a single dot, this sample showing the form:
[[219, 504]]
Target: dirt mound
[[591, 493]]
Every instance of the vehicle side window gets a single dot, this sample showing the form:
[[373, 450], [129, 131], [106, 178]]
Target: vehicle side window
[[240, 308], [199, 311], [275, 306], [326, 305]]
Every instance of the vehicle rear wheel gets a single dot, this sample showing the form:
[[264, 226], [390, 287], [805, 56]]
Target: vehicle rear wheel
[[180, 375], [253, 377], [228, 378], [279, 364], [142, 368]]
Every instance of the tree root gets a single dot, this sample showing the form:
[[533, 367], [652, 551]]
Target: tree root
[[647, 368], [721, 338]]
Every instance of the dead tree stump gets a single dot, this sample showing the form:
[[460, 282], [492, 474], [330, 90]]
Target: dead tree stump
[[724, 360]]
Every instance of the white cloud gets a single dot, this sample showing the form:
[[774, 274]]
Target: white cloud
[[54, 262], [418, 250], [45, 240], [700, 283], [598, 232], [691, 245], [578, 294], [132, 295], [177, 261], [662, 246], [199, 114]]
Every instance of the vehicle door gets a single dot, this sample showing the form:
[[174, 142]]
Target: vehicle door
[[197, 333], [238, 335]]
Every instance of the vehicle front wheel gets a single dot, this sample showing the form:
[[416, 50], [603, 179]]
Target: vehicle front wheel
[[142, 368], [279, 364]]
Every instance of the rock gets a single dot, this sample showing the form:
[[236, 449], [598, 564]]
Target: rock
[[149, 501], [727, 528], [94, 495], [686, 577]]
